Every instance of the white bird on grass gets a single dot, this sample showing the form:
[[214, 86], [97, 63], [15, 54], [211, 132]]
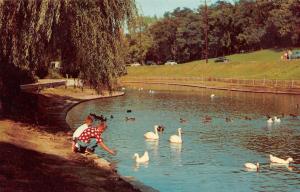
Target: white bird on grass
[[151, 135], [176, 138], [143, 159], [212, 95], [274, 159], [251, 166]]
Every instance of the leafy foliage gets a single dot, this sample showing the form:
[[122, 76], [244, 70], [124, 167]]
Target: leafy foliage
[[86, 32], [247, 25], [86, 35]]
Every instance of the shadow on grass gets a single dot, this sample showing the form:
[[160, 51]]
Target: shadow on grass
[[36, 110], [27, 170]]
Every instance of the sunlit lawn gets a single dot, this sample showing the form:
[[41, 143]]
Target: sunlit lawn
[[256, 65]]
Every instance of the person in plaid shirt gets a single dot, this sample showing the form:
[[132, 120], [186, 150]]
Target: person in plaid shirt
[[91, 139]]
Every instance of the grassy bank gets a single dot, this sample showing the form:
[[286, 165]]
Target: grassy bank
[[256, 65], [37, 157]]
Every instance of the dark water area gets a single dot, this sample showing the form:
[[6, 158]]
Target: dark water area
[[213, 153]]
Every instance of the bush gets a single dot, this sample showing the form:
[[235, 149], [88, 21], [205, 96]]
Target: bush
[[53, 74]]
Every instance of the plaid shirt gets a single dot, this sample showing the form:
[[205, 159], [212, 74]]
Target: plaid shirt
[[92, 132]]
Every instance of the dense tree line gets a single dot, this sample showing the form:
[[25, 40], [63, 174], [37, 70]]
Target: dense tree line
[[86, 35], [247, 25]]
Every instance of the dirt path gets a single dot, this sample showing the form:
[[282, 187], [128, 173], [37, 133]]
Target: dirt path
[[36, 159]]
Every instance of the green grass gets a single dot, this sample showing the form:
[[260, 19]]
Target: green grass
[[256, 65]]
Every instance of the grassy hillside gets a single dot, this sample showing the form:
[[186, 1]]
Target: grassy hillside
[[256, 65]]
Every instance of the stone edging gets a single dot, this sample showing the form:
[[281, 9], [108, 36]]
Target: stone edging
[[218, 88]]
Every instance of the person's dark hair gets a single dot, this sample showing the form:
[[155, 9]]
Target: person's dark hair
[[89, 118], [100, 118]]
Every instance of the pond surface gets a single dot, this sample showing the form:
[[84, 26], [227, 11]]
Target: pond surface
[[212, 155]]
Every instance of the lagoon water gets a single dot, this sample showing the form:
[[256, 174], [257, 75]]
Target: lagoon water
[[212, 154]]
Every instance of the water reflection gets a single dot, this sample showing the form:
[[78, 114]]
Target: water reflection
[[281, 167], [152, 145], [137, 166], [176, 153]]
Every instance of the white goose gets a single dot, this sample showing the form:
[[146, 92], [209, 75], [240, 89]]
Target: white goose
[[274, 159], [151, 135], [277, 120], [143, 159], [176, 138], [252, 166], [212, 95], [270, 120]]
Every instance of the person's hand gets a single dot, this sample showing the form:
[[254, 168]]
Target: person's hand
[[73, 147], [113, 152]]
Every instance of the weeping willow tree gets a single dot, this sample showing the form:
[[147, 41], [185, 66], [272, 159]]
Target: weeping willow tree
[[87, 34]]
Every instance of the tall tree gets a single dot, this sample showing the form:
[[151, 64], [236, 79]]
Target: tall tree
[[88, 33], [139, 39], [164, 35]]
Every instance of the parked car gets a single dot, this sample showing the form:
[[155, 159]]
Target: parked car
[[295, 54], [171, 62], [135, 64], [221, 59], [150, 63]]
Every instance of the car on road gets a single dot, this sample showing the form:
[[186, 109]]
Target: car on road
[[295, 54], [221, 59], [171, 62], [135, 64], [150, 63]]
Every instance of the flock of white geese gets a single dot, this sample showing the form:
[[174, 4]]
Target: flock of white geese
[[178, 139], [154, 136], [273, 159]]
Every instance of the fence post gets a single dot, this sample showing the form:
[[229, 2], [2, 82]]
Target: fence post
[[253, 82], [292, 83], [276, 83], [264, 81]]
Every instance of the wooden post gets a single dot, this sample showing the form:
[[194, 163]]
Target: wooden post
[[292, 83], [276, 83]]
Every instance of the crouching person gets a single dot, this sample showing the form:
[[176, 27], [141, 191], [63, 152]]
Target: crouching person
[[91, 139], [87, 124]]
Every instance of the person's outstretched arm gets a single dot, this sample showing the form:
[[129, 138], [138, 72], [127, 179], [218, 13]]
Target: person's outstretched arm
[[107, 148]]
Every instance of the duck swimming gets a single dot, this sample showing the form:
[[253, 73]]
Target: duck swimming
[[160, 128], [130, 118], [274, 159], [143, 159], [251, 166]]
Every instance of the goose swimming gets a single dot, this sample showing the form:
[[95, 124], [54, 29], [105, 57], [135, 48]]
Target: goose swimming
[[143, 159]]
